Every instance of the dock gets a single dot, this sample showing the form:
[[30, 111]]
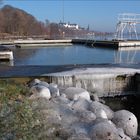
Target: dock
[[108, 43], [33, 42], [6, 53], [112, 44]]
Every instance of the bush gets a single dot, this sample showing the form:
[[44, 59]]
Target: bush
[[17, 119]]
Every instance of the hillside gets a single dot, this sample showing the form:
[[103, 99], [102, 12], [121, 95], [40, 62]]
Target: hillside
[[15, 21], [18, 23]]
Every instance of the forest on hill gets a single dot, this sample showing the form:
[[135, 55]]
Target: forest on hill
[[16, 23]]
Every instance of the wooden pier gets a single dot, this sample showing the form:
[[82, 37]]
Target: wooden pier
[[26, 43], [108, 43]]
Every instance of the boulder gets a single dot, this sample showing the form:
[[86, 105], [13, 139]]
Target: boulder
[[104, 131], [34, 82], [74, 93], [101, 110], [53, 85], [79, 137], [121, 135], [136, 138], [86, 116], [127, 121], [62, 99], [79, 128], [54, 90], [100, 113], [95, 97], [81, 104], [40, 91], [67, 114], [43, 83]]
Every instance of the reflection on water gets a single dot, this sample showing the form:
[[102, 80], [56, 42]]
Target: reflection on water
[[127, 55], [9, 63], [75, 54]]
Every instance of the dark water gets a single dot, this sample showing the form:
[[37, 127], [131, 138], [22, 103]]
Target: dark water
[[131, 103], [75, 54]]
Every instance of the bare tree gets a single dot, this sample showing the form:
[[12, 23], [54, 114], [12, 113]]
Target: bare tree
[[1, 2]]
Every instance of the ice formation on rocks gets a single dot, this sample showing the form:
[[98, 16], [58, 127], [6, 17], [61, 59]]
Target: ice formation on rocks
[[127, 121], [80, 118], [74, 93]]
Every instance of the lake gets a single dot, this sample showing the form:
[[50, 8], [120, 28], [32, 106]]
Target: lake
[[74, 54]]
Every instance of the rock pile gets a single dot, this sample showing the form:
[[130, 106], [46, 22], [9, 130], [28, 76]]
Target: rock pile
[[79, 117]]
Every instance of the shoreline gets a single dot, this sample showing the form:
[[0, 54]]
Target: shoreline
[[107, 80], [42, 70]]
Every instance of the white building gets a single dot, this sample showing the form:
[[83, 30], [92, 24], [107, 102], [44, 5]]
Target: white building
[[69, 25]]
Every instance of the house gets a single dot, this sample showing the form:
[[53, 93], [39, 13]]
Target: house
[[69, 25]]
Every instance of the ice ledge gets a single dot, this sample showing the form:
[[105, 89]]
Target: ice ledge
[[99, 72]]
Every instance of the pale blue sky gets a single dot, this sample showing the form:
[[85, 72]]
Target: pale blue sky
[[101, 15]]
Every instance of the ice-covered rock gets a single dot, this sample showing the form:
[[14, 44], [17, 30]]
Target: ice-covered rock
[[53, 85], [95, 97], [127, 121], [79, 118], [104, 131], [100, 113], [34, 82], [85, 115], [38, 82], [136, 138], [54, 90], [121, 135], [43, 83], [40, 91], [101, 110], [74, 93], [62, 99], [81, 104], [79, 128], [67, 114], [79, 137]]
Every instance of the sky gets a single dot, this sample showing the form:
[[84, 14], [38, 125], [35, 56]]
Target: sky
[[100, 15]]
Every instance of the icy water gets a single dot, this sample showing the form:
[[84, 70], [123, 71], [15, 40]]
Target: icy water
[[74, 54]]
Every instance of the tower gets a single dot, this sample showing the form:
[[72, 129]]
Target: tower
[[126, 26], [63, 11]]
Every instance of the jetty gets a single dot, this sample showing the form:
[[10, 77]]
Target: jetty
[[108, 43], [112, 44], [6, 53], [34, 42]]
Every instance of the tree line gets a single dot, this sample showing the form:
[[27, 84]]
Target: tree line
[[16, 22]]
